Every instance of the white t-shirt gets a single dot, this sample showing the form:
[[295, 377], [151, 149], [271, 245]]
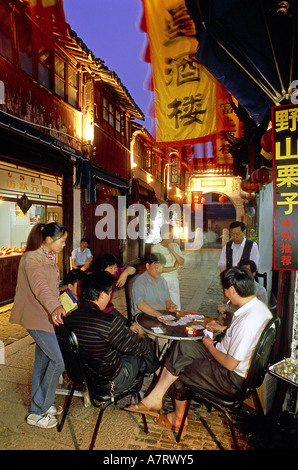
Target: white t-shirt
[[243, 334], [166, 258]]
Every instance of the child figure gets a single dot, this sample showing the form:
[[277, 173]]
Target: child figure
[[108, 262], [71, 296]]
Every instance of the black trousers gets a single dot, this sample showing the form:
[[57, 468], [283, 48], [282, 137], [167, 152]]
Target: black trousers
[[132, 367], [194, 365]]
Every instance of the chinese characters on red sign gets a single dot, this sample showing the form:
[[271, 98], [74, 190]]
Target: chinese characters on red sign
[[285, 166]]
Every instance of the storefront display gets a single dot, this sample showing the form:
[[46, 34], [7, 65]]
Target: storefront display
[[27, 197]]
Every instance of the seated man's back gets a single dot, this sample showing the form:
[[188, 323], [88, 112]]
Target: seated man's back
[[107, 346]]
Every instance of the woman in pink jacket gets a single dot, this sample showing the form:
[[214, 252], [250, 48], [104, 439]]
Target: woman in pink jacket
[[37, 307]]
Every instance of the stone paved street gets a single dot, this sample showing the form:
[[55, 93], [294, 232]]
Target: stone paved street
[[120, 430]]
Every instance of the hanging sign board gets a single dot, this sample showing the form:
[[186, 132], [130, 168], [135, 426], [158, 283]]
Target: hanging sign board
[[15, 181], [285, 179]]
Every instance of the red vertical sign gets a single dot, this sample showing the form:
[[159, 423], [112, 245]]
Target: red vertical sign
[[285, 171]]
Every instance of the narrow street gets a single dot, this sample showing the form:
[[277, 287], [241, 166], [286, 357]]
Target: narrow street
[[200, 291]]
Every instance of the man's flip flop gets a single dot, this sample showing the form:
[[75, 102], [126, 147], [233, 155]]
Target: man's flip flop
[[164, 422], [142, 409]]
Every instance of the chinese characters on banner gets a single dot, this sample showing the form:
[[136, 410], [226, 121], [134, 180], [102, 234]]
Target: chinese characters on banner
[[285, 138], [186, 94]]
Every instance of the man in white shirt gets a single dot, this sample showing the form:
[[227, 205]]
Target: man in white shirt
[[218, 367], [238, 248], [81, 257]]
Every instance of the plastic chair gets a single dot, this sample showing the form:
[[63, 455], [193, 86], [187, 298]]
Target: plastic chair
[[254, 379], [77, 373]]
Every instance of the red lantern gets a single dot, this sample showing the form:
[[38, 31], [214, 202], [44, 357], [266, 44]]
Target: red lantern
[[247, 196], [261, 176], [266, 141], [105, 193], [249, 186], [203, 200], [223, 199]]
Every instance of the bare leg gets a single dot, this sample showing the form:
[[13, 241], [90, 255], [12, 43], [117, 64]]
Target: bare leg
[[153, 401], [176, 416]]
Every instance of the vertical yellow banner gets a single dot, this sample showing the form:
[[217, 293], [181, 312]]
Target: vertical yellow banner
[[185, 92]]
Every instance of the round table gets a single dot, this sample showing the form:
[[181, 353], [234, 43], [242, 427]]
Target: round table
[[152, 326]]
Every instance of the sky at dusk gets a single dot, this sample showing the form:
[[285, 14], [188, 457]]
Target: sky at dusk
[[110, 29]]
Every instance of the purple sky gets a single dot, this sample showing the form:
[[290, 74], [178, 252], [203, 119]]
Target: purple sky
[[110, 28]]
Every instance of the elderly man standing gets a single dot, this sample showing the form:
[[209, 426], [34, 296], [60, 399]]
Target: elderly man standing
[[150, 292], [238, 248]]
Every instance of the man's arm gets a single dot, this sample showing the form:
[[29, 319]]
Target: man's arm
[[146, 308], [254, 254], [86, 265], [227, 361], [170, 306], [129, 271], [177, 254], [222, 263]]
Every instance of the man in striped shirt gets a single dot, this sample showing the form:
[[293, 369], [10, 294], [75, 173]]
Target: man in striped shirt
[[111, 352]]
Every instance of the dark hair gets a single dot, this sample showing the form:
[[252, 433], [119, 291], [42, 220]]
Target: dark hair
[[248, 262], [238, 224], [151, 258], [94, 284], [165, 231], [240, 278], [40, 231], [104, 260], [75, 275], [85, 240]]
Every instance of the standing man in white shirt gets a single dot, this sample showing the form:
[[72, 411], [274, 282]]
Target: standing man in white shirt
[[238, 248], [81, 257]]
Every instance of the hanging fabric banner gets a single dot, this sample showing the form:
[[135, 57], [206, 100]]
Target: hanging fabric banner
[[186, 94]]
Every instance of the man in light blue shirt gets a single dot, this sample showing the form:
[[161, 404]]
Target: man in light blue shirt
[[81, 257], [150, 292]]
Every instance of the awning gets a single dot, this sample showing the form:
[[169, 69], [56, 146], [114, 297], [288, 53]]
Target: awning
[[142, 190], [101, 176], [250, 47], [88, 176], [22, 128]]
